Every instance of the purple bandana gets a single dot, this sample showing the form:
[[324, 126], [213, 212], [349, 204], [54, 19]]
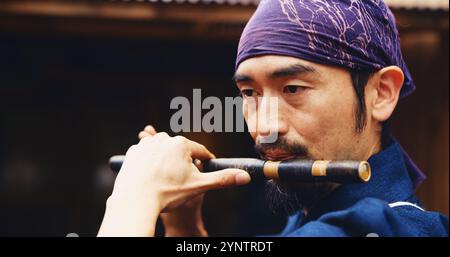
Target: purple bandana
[[355, 34]]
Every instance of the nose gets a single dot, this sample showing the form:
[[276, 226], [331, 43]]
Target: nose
[[270, 119]]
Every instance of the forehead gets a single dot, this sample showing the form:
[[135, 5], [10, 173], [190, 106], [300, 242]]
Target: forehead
[[267, 64]]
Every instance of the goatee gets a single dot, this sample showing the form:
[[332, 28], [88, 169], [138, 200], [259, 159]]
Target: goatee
[[286, 197], [289, 198]]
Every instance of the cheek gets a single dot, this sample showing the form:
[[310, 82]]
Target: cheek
[[326, 123], [250, 119], [339, 126]]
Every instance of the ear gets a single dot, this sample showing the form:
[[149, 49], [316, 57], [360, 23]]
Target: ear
[[387, 91]]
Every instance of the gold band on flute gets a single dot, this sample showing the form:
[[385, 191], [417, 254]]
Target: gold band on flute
[[319, 168], [270, 169]]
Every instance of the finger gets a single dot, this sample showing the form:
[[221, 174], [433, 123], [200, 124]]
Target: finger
[[223, 178], [198, 164], [150, 130], [143, 134], [161, 136], [198, 151]]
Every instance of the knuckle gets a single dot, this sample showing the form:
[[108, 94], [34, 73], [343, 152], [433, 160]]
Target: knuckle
[[180, 140], [146, 140], [142, 134], [163, 134], [131, 149], [223, 181]]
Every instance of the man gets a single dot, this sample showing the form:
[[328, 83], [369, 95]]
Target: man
[[337, 71]]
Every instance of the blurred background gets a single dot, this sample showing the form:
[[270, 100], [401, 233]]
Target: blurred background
[[79, 79]]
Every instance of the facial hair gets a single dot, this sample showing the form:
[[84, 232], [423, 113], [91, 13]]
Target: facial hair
[[286, 197]]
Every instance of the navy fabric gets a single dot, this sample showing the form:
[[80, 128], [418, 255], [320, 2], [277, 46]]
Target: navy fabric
[[362, 209]]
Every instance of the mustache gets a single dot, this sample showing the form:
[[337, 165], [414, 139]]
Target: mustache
[[281, 145]]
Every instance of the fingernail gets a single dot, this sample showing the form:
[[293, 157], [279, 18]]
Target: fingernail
[[242, 178]]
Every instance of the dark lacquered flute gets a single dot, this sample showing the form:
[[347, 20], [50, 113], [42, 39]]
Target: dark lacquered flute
[[296, 170]]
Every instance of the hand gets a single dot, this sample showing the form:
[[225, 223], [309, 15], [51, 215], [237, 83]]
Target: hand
[[158, 175], [185, 220]]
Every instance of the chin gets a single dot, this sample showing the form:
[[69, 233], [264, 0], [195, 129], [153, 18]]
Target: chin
[[290, 197]]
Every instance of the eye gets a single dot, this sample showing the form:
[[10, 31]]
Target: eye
[[248, 93], [291, 89]]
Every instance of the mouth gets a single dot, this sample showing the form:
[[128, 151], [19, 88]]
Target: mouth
[[279, 155]]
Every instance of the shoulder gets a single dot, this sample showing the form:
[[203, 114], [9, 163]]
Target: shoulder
[[421, 222], [377, 217]]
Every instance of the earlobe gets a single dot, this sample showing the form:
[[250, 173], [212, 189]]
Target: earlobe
[[389, 84]]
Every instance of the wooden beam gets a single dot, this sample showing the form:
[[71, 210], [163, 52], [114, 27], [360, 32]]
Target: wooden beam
[[157, 20], [140, 11]]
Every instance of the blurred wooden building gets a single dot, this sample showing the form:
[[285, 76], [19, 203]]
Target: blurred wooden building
[[79, 79]]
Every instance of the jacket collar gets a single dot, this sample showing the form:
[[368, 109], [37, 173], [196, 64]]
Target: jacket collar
[[390, 181]]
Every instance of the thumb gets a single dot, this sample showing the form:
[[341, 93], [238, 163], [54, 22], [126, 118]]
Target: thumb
[[224, 178]]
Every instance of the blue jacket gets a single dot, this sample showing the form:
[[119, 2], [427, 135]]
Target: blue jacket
[[385, 206]]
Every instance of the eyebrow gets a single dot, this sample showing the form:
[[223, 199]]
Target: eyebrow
[[288, 71], [292, 70], [241, 78]]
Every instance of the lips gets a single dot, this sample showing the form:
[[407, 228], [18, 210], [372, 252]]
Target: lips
[[278, 155]]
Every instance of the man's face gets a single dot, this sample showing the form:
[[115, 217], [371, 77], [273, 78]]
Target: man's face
[[316, 107], [316, 119]]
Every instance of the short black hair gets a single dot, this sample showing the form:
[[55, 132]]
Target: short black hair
[[359, 81]]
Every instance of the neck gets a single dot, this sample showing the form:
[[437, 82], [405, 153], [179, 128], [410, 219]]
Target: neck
[[374, 144], [374, 148]]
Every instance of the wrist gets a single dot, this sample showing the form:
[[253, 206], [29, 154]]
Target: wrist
[[147, 201], [129, 217]]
